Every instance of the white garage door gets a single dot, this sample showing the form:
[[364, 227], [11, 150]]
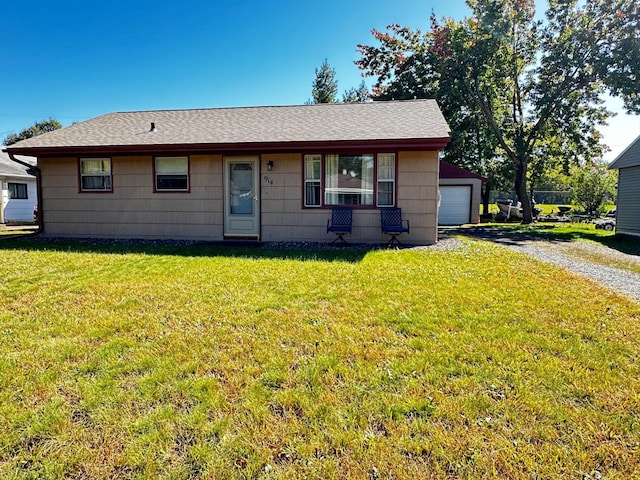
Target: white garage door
[[455, 205]]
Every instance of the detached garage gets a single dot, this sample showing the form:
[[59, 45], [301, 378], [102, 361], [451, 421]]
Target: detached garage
[[459, 195]]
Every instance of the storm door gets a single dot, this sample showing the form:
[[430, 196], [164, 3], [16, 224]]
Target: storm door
[[242, 198]]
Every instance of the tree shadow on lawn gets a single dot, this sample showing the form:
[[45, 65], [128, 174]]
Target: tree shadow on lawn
[[512, 234], [300, 251]]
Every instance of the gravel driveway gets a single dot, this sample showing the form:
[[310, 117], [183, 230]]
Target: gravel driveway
[[572, 256]]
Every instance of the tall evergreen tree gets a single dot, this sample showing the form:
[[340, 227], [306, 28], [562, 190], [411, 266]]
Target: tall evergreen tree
[[325, 86], [356, 95]]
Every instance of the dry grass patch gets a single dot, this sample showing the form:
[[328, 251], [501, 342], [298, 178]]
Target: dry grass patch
[[607, 258], [217, 363]]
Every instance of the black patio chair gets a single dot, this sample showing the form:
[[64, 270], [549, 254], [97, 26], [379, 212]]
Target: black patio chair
[[391, 223], [340, 223]]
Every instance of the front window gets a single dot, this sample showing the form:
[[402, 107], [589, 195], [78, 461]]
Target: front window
[[18, 191], [386, 179], [363, 180], [172, 173], [348, 180], [312, 176], [95, 174]]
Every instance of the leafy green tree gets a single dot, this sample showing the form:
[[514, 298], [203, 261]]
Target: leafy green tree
[[405, 67], [356, 95], [592, 185], [325, 86], [34, 130], [535, 85]]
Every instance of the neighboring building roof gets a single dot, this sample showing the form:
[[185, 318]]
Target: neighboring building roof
[[630, 157], [417, 123], [9, 168], [447, 170]]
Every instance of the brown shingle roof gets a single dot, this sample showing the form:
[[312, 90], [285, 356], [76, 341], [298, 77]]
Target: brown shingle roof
[[398, 121], [447, 170]]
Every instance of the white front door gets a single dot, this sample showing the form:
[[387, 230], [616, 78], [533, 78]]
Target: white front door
[[242, 197]]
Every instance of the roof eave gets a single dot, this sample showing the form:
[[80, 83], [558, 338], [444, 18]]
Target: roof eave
[[16, 175], [263, 147], [614, 165]]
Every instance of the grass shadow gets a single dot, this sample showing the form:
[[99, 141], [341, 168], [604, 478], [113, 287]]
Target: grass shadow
[[551, 232], [622, 243], [249, 250]]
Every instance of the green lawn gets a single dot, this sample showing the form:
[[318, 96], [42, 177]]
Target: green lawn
[[210, 362], [547, 208]]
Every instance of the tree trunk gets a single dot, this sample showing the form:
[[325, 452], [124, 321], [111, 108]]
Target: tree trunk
[[485, 193], [521, 190]]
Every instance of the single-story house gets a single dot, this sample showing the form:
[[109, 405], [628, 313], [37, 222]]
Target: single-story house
[[460, 195], [18, 188], [628, 205], [259, 173]]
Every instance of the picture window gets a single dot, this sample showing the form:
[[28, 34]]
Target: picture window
[[364, 180]]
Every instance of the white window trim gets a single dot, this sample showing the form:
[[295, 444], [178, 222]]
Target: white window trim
[[314, 181], [392, 181]]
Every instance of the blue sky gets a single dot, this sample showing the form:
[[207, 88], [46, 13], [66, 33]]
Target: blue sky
[[73, 60]]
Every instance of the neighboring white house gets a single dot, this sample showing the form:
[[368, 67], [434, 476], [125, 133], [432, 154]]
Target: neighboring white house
[[628, 205], [19, 191]]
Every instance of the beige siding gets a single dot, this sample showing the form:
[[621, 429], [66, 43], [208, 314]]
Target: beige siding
[[418, 194], [284, 217], [628, 208], [134, 210]]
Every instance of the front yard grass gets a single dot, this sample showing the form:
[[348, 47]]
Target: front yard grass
[[210, 362]]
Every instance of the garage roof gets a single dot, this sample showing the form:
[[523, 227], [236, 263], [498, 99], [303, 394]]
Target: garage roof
[[447, 170]]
